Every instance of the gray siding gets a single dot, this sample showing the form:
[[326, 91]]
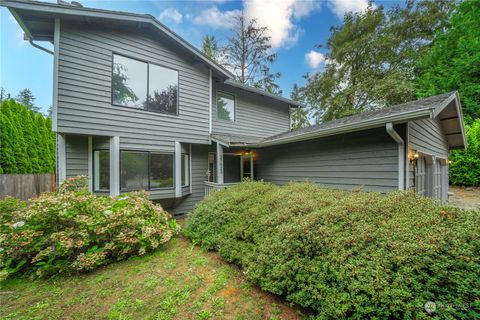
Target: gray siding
[[76, 155], [84, 90], [426, 135], [199, 169], [367, 158], [254, 115]]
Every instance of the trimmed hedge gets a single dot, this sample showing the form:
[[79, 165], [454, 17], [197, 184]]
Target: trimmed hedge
[[77, 231], [347, 254]]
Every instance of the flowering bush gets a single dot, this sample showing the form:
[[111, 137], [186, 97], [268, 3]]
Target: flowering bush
[[75, 231], [347, 254]]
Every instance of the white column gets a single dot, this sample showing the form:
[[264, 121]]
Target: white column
[[219, 163], [61, 158], [251, 165], [114, 166], [90, 163], [178, 169], [190, 167]]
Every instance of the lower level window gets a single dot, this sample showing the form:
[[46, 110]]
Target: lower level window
[[142, 170], [101, 179], [133, 170], [161, 170]]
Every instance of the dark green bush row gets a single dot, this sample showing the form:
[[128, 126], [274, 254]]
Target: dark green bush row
[[76, 231], [26, 139], [347, 254], [465, 167]]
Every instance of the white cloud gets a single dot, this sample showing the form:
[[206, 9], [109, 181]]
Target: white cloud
[[215, 18], [341, 7], [279, 17], [171, 14], [314, 59]]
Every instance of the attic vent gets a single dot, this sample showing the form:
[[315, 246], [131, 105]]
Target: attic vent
[[72, 4]]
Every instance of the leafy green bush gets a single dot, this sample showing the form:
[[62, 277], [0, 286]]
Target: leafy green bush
[[465, 166], [76, 231], [347, 254]]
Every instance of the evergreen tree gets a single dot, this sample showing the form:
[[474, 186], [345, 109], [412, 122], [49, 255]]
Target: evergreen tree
[[51, 141], [34, 143], [21, 147], [210, 47], [453, 63], [27, 143], [26, 98], [248, 54], [8, 134]]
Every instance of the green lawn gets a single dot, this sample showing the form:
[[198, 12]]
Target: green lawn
[[178, 281]]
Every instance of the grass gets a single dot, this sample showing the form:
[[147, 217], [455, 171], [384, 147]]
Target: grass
[[178, 281]]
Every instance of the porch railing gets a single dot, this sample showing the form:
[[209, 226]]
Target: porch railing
[[212, 186]]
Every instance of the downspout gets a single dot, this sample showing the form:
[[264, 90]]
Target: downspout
[[210, 108], [36, 45], [401, 154]]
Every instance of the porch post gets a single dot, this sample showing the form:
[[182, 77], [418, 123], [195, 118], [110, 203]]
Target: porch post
[[251, 166], [178, 169], [90, 163], [61, 158], [219, 163], [114, 166]]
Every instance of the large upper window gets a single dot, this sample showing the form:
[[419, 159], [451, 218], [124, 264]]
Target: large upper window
[[225, 106], [142, 170], [144, 85]]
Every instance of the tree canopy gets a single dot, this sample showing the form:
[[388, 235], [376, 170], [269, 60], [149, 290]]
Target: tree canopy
[[453, 62], [372, 58]]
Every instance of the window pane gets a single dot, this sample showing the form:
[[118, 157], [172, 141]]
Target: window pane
[[161, 170], [133, 170], [225, 106], [185, 170], [129, 82], [101, 175], [163, 89]]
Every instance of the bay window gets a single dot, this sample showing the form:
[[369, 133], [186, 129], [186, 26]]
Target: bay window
[[101, 169], [185, 170], [161, 170]]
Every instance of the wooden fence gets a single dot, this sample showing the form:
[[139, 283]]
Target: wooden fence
[[26, 186]]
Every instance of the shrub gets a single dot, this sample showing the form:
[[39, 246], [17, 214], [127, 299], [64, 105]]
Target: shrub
[[346, 254], [76, 231], [78, 183]]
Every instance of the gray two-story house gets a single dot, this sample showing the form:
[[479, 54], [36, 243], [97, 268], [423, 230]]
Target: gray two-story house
[[135, 106]]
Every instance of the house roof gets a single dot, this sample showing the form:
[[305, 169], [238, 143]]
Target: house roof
[[36, 20], [232, 140], [445, 107], [33, 17]]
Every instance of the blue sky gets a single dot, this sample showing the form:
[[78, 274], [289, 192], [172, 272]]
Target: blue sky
[[295, 27]]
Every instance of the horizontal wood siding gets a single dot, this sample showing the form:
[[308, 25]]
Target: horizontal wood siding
[[76, 148], [254, 115], [426, 136], [199, 169], [84, 90], [367, 159]]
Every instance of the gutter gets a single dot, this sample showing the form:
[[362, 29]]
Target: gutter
[[26, 33], [401, 154], [351, 127]]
